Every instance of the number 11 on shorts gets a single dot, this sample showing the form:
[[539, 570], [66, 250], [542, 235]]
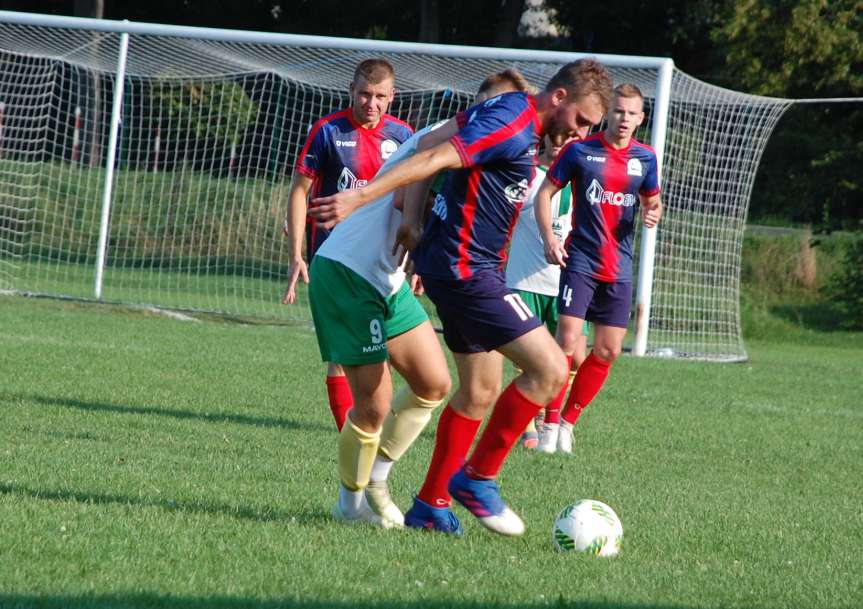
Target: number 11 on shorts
[[518, 305]]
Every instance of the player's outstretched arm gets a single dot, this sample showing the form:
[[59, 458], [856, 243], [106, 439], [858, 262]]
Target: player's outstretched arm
[[330, 210], [295, 224], [554, 251], [651, 210]]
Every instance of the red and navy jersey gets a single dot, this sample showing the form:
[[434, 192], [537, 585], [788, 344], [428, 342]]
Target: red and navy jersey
[[475, 212], [340, 153], [606, 184]]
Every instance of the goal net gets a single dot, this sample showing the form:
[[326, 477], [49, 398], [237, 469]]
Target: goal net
[[203, 138]]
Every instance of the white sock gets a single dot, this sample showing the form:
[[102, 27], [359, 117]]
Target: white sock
[[381, 469], [566, 425], [350, 501]]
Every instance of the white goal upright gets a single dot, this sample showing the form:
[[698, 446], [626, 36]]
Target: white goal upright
[[150, 164]]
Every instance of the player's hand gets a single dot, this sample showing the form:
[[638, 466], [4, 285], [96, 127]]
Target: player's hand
[[329, 211], [407, 239], [651, 213], [416, 284], [555, 253], [299, 270]]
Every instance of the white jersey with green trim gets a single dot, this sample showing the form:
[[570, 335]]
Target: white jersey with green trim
[[363, 241], [527, 268]]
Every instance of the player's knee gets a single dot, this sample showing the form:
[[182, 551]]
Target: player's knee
[[482, 395], [607, 352], [437, 388]]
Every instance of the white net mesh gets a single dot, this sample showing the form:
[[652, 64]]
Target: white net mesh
[[209, 133]]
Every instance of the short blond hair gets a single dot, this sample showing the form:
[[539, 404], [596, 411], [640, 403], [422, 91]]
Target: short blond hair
[[628, 89], [510, 77], [374, 71]]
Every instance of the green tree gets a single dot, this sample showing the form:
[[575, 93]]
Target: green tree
[[803, 49]]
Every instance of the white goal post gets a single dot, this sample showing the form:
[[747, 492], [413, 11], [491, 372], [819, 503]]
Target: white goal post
[[149, 164]]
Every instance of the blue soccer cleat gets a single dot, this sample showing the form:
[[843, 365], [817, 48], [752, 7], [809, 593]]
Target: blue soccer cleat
[[482, 499], [423, 516]]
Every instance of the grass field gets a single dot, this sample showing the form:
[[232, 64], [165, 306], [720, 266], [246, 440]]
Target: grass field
[[148, 462]]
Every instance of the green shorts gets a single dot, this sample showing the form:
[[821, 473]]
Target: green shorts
[[545, 308], [353, 322]]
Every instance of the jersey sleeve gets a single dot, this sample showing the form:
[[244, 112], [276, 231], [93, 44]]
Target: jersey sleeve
[[313, 155], [491, 132], [564, 167], [650, 185]]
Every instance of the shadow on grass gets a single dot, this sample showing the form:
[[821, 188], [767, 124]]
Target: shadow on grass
[[239, 512], [141, 601], [239, 419]]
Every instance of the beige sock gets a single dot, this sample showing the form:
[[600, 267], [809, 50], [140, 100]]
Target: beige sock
[[357, 450], [407, 418]]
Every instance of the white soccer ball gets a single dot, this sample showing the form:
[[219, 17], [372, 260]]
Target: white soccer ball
[[587, 526]]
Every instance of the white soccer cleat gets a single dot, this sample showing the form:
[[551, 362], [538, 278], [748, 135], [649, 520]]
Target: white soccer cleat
[[548, 438], [379, 501], [506, 523], [365, 515], [564, 438]]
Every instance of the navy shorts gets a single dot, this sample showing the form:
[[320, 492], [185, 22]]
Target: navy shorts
[[602, 302], [479, 314]]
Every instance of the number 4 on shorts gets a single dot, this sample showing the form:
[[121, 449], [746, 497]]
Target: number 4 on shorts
[[517, 303], [567, 295]]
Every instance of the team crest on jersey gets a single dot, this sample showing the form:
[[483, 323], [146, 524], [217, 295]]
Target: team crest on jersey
[[387, 148], [348, 180], [596, 194], [633, 167], [516, 193]]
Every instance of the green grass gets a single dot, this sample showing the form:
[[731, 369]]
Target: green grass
[[149, 462]]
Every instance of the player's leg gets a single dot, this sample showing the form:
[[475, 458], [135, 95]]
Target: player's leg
[[544, 372], [568, 334], [338, 393], [417, 356], [610, 310], [479, 385], [359, 440], [350, 331], [544, 307]]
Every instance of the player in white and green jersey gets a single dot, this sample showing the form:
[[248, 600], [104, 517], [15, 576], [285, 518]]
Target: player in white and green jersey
[[366, 315], [534, 279]]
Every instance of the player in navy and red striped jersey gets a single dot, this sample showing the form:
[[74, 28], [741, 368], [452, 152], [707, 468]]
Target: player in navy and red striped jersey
[[491, 149], [343, 150], [610, 173]]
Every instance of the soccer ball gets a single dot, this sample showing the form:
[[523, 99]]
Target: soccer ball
[[587, 526]]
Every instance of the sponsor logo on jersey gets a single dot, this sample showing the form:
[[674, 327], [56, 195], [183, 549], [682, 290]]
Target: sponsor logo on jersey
[[597, 195], [516, 193], [346, 143], [596, 159], [633, 167], [439, 207], [348, 180], [387, 148]]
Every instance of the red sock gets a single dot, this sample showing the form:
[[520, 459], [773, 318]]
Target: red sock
[[455, 434], [341, 400], [588, 381], [552, 410], [511, 415]]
